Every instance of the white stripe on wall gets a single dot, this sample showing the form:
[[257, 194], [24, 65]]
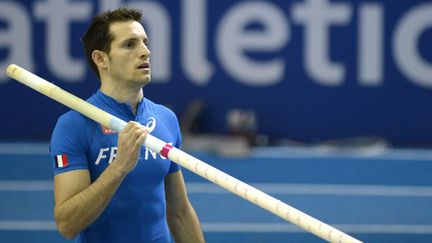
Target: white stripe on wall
[[271, 188], [27, 185], [322, 189], [222, 227], [28, 225], [328, 152], [24, 148], [296, 152], [289, 228]]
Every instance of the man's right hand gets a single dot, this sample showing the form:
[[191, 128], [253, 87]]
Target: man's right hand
[[129, 144]]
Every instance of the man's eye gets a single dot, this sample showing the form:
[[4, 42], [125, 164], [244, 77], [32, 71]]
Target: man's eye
[[129, 44]]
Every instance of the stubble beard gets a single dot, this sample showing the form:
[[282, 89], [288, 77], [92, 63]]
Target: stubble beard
[[143, 81]]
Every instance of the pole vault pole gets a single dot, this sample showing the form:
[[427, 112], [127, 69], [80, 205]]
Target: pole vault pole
[[185, 160]]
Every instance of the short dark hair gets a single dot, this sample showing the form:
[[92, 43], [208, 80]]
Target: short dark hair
[[98, 36]]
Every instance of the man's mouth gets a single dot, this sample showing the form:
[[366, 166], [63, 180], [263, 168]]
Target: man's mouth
[[144, 65]]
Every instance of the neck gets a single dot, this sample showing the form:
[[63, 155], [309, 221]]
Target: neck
[[123, 93]]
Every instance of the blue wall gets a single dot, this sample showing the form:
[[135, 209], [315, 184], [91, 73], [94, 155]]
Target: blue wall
[[381, 197], [311, 69]]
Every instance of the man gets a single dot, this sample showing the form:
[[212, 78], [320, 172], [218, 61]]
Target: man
[[107, 187]]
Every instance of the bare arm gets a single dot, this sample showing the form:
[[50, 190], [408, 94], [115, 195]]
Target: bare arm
[[78, 203], [182, 219]]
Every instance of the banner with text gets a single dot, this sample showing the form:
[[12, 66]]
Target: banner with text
[[309, 70]]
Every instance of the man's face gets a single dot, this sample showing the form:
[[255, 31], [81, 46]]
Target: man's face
[[129, 54]]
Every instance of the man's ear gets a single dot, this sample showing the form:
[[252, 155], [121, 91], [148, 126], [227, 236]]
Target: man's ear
[[100, 58]]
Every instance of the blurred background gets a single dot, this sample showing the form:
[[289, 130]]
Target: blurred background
[[323, 104]]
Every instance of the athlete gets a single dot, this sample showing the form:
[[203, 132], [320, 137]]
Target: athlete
[[107, 187]]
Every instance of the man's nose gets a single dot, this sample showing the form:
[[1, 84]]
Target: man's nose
[[145, 52]]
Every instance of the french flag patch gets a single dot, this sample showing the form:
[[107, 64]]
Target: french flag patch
[[61, 161]]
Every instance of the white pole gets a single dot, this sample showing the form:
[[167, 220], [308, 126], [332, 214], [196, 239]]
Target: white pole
[[185, 160]]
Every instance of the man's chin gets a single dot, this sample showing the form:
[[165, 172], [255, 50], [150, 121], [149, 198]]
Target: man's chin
[[144, 80], [147, 79]]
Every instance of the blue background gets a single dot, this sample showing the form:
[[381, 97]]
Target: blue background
[[297, 107]]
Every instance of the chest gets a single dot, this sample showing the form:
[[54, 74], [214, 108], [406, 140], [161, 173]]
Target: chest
[[151, 167]]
